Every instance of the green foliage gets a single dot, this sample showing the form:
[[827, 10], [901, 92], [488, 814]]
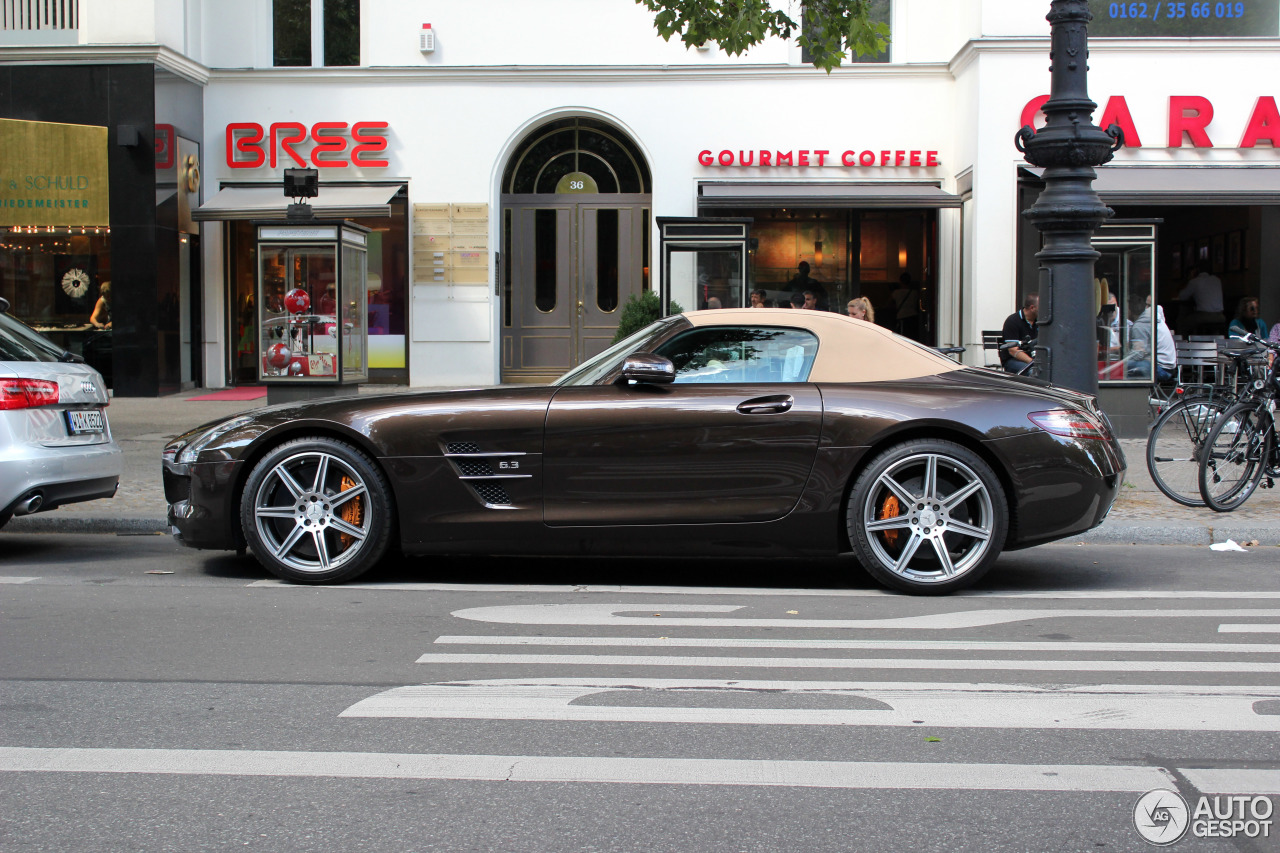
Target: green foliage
[[832, 28], [641, 311]]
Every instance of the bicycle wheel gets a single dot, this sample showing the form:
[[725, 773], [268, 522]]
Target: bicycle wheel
[[1173, 447], [1234, 458]]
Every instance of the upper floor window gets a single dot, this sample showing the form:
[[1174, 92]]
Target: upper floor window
[[305, 31], [881, 13]]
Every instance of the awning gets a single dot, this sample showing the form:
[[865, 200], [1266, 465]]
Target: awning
[[870, 194], [269, 202], [1187, 184]]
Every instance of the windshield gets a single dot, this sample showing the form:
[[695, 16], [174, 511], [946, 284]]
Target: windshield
[[593, 370], [20, 343]]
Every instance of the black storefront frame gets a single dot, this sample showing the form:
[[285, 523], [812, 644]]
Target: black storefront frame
[[144, 245]]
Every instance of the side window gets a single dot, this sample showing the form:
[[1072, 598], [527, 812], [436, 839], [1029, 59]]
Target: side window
[[741, 354]]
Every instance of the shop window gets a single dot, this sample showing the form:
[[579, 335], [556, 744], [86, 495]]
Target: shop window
[[388, 285], [881, 13], [294, 21], [58, 281]]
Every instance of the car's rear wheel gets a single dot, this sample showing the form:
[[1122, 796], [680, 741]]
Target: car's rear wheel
[[316, 510], [927, 517]]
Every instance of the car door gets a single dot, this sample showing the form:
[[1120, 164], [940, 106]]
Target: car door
[[732, 439]]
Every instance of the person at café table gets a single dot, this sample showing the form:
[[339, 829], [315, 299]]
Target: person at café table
[[1247, 319]]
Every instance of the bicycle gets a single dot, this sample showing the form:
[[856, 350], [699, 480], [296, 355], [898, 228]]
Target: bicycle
[[1025, 368], [1175, 438], [1241, 448]]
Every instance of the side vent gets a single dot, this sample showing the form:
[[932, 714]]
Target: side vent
[[484, 471]]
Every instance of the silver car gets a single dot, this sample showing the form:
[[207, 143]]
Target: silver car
[[55, 442]]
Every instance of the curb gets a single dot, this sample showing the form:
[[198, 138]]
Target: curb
[[118, 526]]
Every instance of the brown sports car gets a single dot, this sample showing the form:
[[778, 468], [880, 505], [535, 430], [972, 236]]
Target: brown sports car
[[739, 432]]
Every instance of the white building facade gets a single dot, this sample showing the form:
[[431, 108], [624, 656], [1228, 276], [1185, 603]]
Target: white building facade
[[893, 179]]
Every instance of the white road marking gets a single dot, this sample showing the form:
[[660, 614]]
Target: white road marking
[[547, 768], [1066, 594], [17, 580], [873, 645], [729, 662], [614, 614], [1256, 782], [977, 705], [1249, 629]]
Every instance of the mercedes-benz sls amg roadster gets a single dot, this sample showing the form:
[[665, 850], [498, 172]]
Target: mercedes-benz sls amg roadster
[[748, 433]]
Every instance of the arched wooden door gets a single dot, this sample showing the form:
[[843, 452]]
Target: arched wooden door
[[575, 220]]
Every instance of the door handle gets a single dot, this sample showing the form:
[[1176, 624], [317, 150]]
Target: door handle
[[579, 307], [767, 405]]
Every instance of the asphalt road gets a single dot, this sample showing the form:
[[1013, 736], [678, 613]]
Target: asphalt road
[[158, 699]]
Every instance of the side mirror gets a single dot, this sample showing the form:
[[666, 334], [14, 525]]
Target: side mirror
[[4, 305], [647, 368]]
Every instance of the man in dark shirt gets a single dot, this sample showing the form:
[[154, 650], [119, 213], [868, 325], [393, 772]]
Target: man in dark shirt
[[1018, 327]]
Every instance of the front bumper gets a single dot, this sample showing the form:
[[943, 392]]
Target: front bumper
[[203, 507]]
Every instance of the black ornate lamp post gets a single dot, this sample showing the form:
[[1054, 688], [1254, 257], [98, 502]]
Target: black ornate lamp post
[[1068, 211]]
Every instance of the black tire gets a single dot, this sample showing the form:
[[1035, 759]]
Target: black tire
[[294, 525], [1174, 446], [963, 516], [1235, 457]]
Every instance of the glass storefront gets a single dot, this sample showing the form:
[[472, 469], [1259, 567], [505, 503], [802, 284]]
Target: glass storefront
[[58, 281], [888, 256], [388, 284]]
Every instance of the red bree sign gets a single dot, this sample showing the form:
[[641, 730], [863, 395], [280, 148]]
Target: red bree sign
[[818, 157], [1189, 115], [245, 149]]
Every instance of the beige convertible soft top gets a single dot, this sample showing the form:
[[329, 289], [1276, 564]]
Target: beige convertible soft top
[[848, 350]]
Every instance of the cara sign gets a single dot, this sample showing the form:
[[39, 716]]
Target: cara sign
[[1189, 120]]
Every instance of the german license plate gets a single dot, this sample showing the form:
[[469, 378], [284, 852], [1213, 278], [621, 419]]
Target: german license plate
[[81, 421]]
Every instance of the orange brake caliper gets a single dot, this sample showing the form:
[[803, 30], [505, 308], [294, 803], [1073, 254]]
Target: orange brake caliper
[[890, 509], [352, 512]]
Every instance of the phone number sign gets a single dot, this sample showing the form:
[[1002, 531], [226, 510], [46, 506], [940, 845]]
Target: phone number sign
[[1179, 19]]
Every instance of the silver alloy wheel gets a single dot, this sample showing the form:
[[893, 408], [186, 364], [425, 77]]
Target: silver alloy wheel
[[941, 502], [298, 510]]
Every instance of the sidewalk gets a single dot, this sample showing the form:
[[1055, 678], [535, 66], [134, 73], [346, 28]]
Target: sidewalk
[[142, 426]]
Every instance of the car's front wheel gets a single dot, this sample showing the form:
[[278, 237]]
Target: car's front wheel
[[927, 517], [316, 510]]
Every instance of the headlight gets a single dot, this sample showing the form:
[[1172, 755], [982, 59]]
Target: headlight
[[188, 454]]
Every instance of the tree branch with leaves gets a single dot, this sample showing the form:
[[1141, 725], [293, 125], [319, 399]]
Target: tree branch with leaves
[[828, 30]]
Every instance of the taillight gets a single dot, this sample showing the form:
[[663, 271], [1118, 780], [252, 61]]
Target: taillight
[[27, 393], [1071, 423]]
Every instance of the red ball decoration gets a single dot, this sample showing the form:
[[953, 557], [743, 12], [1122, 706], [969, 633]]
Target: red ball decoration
[[297, 301], [278, 355]]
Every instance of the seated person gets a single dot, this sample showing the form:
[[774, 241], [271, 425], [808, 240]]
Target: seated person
[[1140, 343], [1247, 319], [1018, 327]]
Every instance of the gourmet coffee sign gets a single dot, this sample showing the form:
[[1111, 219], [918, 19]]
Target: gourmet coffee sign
[[770, 158]]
